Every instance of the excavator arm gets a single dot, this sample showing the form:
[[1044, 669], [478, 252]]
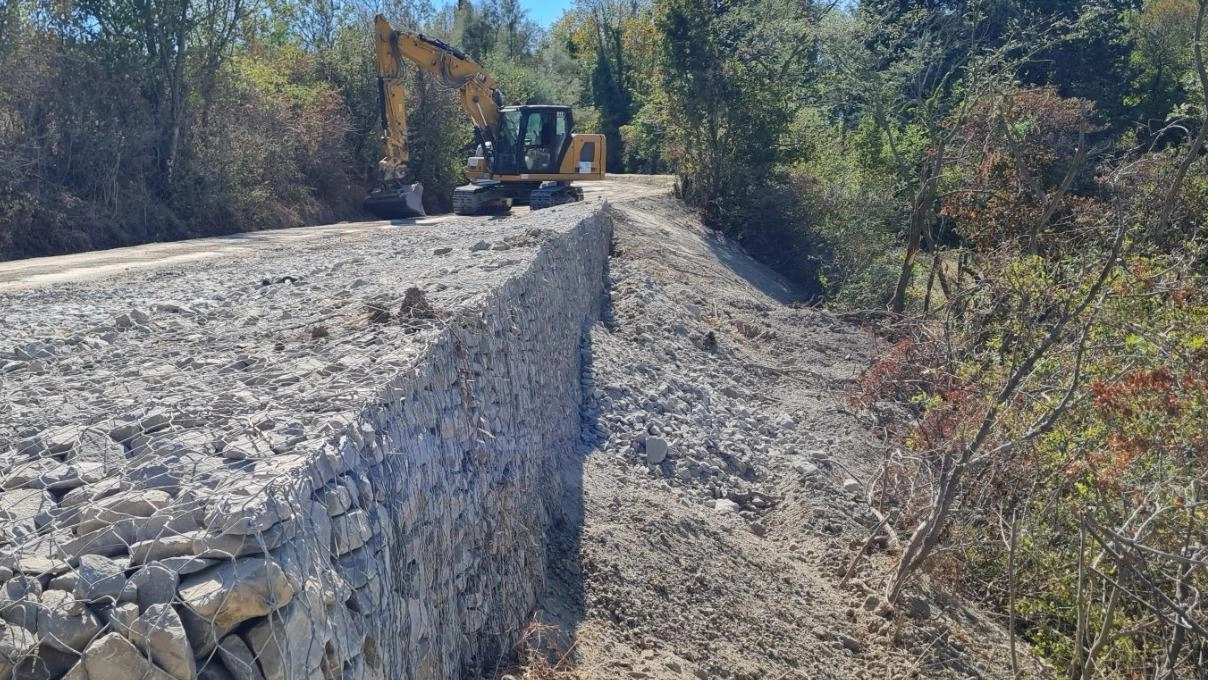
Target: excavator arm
[[454, 69]]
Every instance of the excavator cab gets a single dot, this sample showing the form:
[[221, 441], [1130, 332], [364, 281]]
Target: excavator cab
[[531, 139]]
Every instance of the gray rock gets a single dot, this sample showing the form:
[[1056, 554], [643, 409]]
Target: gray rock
[[45, 565], [97, 446], [238, 659], [442, 251], [20, 509], [155, 584], [161, 549], [183, 566], [101, 579], [119, 617], [285, 643], [160, 634], [20, 601], [214, 670], [66, 624], [113, 657], [172, 308], [226, 546], [122, 506], [49, 664], [155, 421], [246, 447], [167, 465], [125, 430], [357, 567], [16, 645], [112, 541], [251, 511], [62, 439], [350, 531], [77, 672], [93, 492], [31, 447], [66, 477], [26, 474], [234, 592], [656, 450], [851, 644], [481, 245], [335, 498]]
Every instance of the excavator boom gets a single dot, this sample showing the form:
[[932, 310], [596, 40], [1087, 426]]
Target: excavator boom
[[398, 196]]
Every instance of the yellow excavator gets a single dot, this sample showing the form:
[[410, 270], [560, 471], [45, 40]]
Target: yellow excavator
[[524, 154]]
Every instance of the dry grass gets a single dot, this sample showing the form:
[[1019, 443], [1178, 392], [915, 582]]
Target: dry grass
[[546, 654]]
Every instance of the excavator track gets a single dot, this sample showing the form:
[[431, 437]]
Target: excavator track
[[554, 193], [481, 199]]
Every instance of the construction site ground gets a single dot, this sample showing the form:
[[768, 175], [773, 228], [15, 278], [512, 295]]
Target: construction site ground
[[724, 557], [718, 496]]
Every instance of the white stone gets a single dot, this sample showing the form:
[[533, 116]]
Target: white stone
[[725, 506], [656, 450]]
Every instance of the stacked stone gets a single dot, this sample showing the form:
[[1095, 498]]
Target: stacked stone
[[400, 538]]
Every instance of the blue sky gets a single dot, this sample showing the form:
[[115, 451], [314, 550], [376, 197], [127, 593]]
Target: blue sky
[[546, 12]]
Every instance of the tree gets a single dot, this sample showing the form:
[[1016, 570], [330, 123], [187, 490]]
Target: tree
[[724, 110], [1163, 34], [917, 85], [611, 84], [162, 37], [1086, 60]]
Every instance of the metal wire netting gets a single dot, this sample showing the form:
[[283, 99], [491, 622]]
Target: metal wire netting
[[207, 474]]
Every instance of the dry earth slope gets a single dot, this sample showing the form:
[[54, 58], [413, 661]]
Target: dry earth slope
[[716, 506]]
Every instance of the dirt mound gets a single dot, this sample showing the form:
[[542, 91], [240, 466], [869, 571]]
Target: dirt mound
[[720, 500]]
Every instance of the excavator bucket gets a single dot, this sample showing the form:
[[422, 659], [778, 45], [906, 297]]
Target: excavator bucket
[[395, 201]]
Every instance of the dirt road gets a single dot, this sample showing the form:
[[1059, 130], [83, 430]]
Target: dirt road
[[20, 274]]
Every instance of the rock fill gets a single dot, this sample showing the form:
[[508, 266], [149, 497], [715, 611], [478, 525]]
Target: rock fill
[[196, 482]]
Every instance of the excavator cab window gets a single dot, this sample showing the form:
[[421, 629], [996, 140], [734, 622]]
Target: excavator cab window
[[507, 142], [546, 136], [532, 140], [538, 142]]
